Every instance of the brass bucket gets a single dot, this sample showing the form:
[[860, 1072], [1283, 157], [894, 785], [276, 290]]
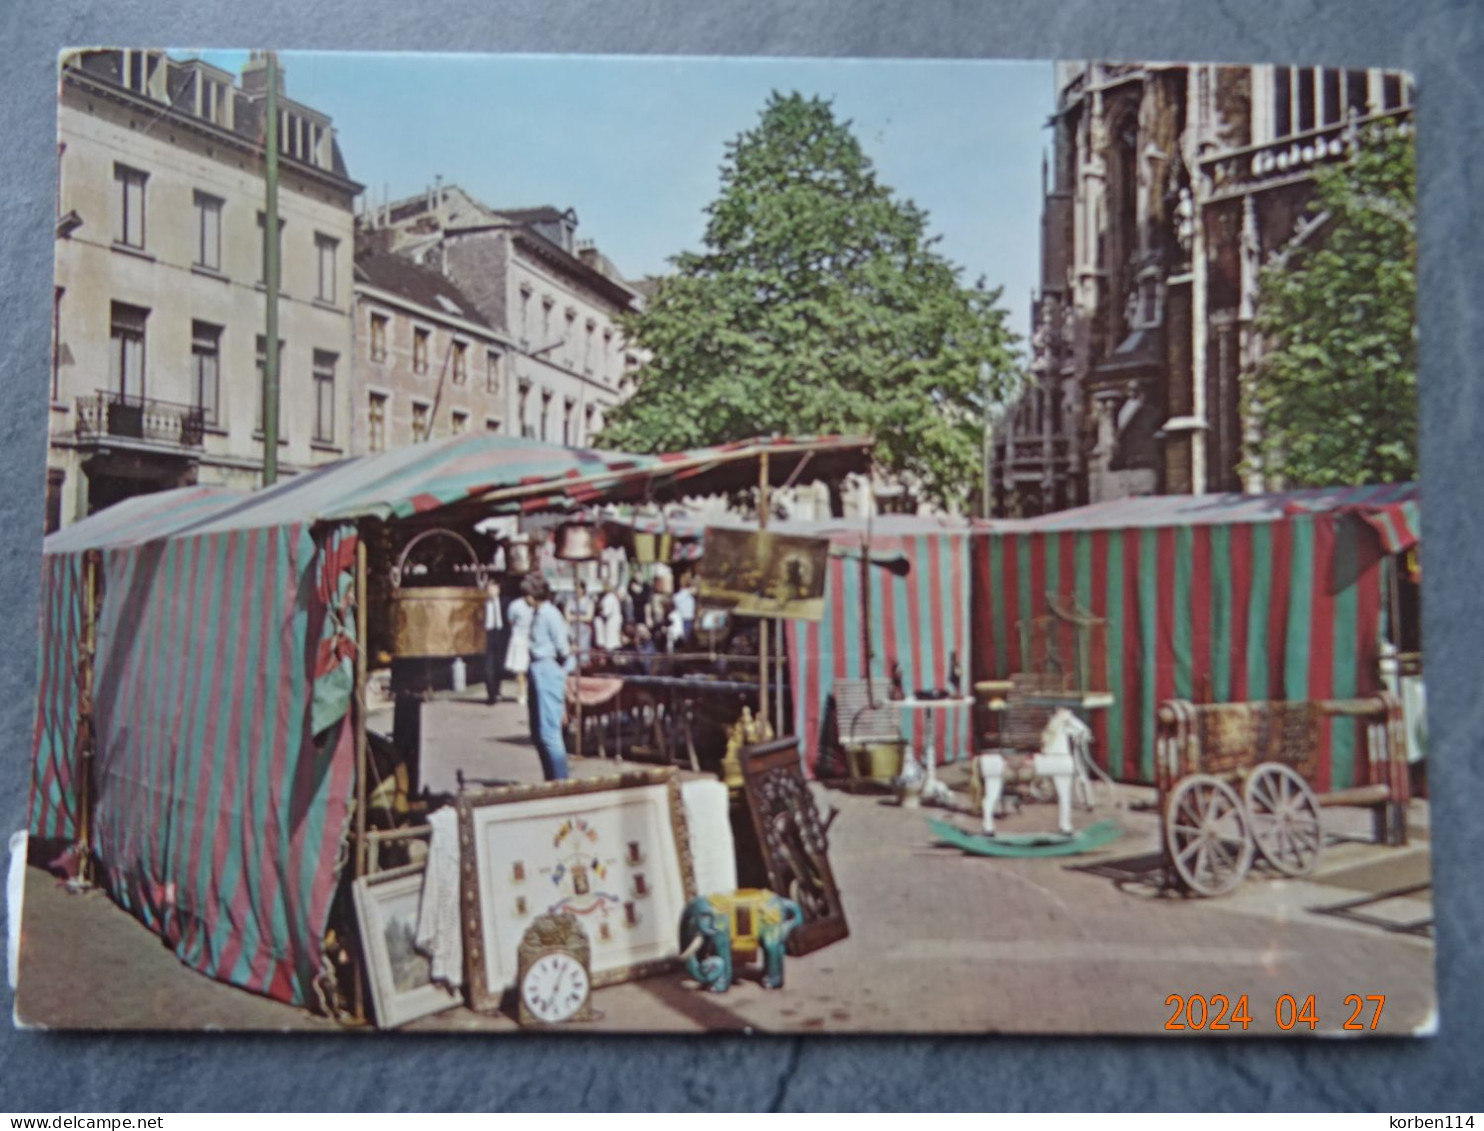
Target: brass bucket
[[438, 620]]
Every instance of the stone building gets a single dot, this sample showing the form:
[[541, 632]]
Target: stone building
[[557, 300], [427, 361], [158, 322], [1168, 188]]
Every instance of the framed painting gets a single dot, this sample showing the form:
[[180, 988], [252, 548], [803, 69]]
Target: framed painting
[[792, 841], [612, 851], [758, 573], [401, 976]]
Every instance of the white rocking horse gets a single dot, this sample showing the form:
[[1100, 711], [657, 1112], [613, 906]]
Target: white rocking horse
[[1057, 761]]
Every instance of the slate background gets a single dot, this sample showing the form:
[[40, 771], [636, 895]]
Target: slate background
[[1438, 40]]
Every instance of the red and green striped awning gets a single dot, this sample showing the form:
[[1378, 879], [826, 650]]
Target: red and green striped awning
[[223, 763], [1217, 598]]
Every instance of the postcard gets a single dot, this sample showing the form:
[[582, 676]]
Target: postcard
[[712, 545]]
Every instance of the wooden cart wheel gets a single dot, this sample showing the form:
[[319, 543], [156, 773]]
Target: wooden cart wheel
[[1207, 835], [1284, 815]]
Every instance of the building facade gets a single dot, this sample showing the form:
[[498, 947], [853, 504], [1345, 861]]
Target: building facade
[[1167, 190], [557, 301], [427, 362], [160, 301]]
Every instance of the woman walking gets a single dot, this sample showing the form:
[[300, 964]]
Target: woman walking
[[518, 656]]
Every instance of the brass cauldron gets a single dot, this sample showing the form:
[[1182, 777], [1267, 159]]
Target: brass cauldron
[[438, 620]]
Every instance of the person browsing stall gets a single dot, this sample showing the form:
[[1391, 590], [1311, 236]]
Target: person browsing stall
[[551, 648], [685, 605]]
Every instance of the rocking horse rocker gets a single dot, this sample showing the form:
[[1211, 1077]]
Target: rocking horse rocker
[[1056, 760]]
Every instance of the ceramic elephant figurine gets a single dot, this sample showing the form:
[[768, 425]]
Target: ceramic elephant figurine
[[736, 926]]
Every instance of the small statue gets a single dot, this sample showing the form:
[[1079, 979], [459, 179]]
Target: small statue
[[737, 925]]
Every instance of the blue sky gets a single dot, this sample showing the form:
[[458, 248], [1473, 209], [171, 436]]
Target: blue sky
[[634, 144]]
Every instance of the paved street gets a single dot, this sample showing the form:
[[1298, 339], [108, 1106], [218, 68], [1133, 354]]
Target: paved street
[[939, 940]]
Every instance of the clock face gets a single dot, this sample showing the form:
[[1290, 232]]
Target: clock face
[[555, 987]]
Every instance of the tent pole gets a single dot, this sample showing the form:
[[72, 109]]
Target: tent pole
[[763, 675], [577, 650], [778, 660], [85, 729], [359, 708]]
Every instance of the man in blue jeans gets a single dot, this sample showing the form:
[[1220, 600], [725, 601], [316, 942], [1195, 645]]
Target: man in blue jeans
[[550, 649]]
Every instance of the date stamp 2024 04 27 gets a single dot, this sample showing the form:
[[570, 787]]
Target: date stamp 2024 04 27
[[1220, 1013]]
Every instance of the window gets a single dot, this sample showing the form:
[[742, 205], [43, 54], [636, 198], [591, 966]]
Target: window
[[421, 411], [1282, 106], [378, 337], [460, 422], [545, 413], [376, 422], [141, 70], [547, 303], [492, 373], [568, 410], [460, 363], [420, 338], [206, 370], [525, 398], [1304, 81], [208, 231], [297, 136], [525, 314], [214, 101], [261, 347], [324, 396], [569, 342], [587, 420], [126, 355], [324, 251], [491, 424], [263, 250], [1391, 92], [128, 220], [1310, 98]]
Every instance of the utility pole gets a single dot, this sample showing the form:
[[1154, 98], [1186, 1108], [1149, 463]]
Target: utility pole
[[270, 281], [987, 457]]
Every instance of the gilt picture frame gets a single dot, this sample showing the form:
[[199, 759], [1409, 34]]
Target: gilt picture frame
[[613, 851]]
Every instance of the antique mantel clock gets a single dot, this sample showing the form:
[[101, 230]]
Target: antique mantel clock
[[554, 983]]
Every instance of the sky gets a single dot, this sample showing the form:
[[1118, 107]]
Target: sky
[[635, 144]]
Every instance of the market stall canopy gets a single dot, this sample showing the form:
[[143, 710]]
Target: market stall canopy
[[1390, 509], [1210, 598], [477, 472]]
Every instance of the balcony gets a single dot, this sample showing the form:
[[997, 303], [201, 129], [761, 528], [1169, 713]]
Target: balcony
[[131, 417], [1293, 158]]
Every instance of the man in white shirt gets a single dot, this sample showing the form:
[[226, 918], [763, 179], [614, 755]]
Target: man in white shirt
[[608, 621], [685, 606]]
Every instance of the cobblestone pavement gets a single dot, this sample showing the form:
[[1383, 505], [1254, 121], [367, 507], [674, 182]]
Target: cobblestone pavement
[[939, 940]]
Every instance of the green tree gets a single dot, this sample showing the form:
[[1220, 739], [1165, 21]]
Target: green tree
[[818, 305], [1334, 395]]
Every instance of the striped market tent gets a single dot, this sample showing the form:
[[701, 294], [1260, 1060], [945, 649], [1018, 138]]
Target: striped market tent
[[1214, 598], [917, 616], [223, 766]]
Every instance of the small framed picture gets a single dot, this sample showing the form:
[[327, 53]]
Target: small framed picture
[[401, 976]]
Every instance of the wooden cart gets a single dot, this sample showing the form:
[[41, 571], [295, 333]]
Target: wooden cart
[[1235, 784]]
